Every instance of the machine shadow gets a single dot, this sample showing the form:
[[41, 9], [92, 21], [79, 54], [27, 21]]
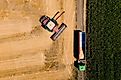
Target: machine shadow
[[76, 47], [76, 44]]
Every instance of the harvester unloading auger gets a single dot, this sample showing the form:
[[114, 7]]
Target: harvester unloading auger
[[51, 25]]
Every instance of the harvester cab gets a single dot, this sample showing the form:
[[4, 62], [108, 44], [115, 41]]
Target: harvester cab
[[51, 25]]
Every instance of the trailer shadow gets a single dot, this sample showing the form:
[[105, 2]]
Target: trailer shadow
[[76, 47], [76, 44]]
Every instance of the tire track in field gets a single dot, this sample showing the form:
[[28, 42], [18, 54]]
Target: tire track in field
[[44, 75], [23, 65], [23, 53], [21, 71], [37, 31]]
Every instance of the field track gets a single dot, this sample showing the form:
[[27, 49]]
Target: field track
[[26, 55]]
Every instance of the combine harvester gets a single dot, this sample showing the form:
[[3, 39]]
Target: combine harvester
[[80, 49], [51, 25]]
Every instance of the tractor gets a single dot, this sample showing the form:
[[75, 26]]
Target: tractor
[[51, 25], [80, 49]]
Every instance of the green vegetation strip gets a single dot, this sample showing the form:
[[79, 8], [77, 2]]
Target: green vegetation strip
[[104, 39]]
